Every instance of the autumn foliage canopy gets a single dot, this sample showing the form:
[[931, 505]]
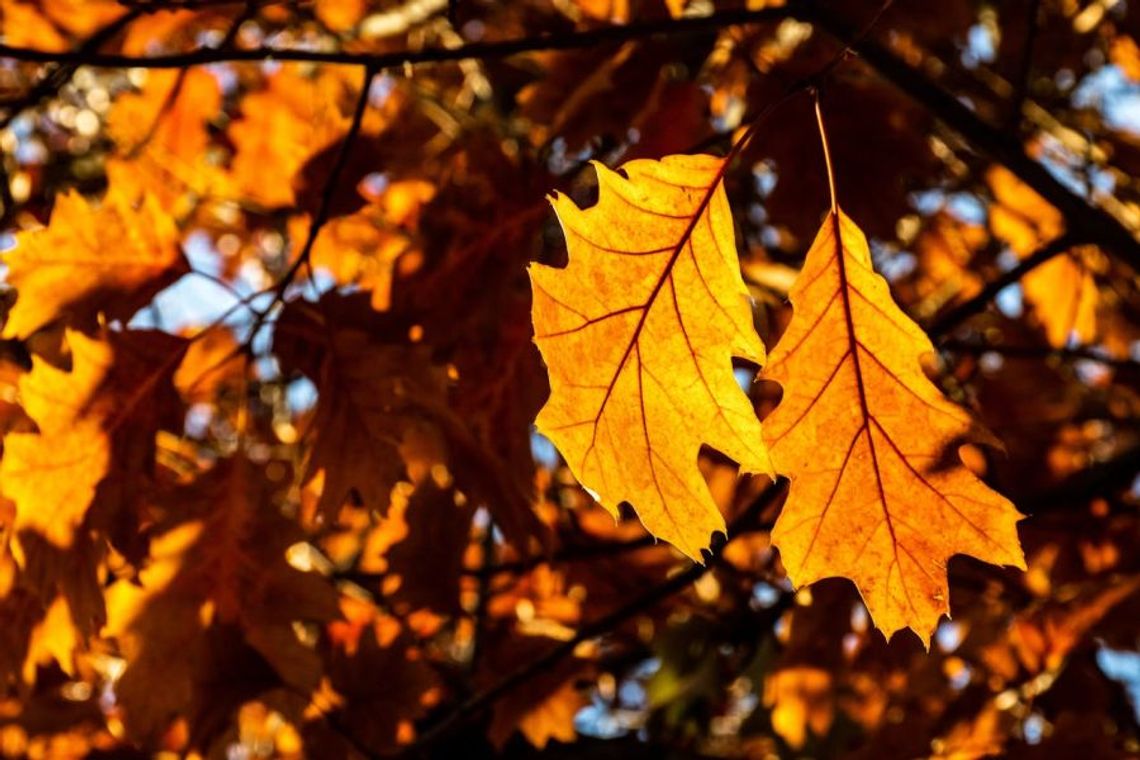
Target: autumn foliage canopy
[[569, 378]]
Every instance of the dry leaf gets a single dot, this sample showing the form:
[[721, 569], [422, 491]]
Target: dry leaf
[[878, 494], [109, 259], [638, 334]]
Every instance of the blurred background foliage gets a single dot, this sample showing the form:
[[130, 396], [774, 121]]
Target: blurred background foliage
[[320, 524]]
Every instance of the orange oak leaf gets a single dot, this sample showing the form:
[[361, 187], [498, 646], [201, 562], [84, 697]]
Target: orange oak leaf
[[112, 258], [878, 494], [218, 572], [91, 455], [1062, 291], [52, 474], [23, 25], [638, 334], [372, 392]]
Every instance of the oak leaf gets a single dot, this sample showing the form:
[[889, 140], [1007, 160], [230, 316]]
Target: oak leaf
[[878, 494], [52, 474], [383, 413], [371, 391], [93, 449], [213, 364], [283, 126], [365, 247], [23, 25], [801, 701], [545, 707], [638, 334], [218, 572], [435, 527], [379, 680], [112, 259]]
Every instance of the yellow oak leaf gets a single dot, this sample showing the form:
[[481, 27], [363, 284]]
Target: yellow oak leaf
[[340, 15], [112, 259], [52, 474], [82, 17], [93, 449], [554, 717], [1125, 53], [364, 248], [213, 364], [23, 25], [878, 493], [801, 699], [170, 113], [163, 141], [638, 334]]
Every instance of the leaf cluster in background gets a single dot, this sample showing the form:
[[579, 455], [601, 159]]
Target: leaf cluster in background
[[284, 297]]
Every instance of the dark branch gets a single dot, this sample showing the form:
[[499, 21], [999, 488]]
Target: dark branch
[[747, 522], [55, 79], [946, 323], [377, 61], [1039, 353], [332, 184], [1025, 69], [1085, 220], [1082, 486]]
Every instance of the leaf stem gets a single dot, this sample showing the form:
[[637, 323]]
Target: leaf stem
[[826, 153]]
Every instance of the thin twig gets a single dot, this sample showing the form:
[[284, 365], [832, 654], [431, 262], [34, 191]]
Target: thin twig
[[1084, 485], [1038, 353], [1089, 222], [1025, 69], [53, 81], [747, 522], [950, 320], [332, 184]]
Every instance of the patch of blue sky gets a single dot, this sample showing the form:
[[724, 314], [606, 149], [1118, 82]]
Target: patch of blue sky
[[197, 300], [599, 721], [1033, 728], [301, 394], [1123, 667], [543, 450], [981, 46], [963, 206], [1117, 98], [1010, 302], [744, 377], [948, 636], [967, 207], [191, 302]]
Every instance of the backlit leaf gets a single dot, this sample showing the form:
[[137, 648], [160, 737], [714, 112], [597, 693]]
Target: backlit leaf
[[638, 334], [878, 494], [109, 258]]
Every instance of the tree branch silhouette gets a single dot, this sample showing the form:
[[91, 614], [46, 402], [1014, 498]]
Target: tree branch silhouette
[[950, 320], [1088, 221], [747, 522], [475, 50], [325, 207]]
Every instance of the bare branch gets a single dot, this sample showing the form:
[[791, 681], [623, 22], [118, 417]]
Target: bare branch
[[963, 311], [377, 61], [747, 522], [1089, 222]]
